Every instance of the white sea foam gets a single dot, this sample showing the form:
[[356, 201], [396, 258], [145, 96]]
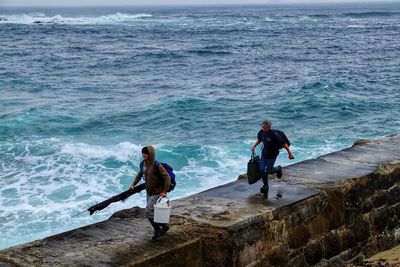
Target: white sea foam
[[40, 18], [122, 151], [269, 19], [358, 26]]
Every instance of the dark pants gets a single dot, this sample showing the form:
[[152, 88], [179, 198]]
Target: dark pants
[[267, 167]]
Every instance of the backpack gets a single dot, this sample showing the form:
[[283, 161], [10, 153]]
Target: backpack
[[169, 170], [283, 137]]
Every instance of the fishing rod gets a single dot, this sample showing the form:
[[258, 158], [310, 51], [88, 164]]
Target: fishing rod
[[120, 197]]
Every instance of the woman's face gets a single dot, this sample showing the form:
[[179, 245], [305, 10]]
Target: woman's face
[[145, 156]]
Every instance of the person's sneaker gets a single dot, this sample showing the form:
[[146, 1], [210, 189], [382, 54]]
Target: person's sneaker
[[279, 172], [158, 234], [264, 190], [165, 228]]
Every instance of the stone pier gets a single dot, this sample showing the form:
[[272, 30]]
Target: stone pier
[[336, 210]]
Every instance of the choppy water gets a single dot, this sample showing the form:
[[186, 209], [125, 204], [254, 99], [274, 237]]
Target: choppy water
[[81, 90]]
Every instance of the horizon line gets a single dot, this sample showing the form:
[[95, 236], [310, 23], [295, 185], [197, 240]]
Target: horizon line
[[272, 3]]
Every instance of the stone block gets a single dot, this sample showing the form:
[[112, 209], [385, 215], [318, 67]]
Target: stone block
[[298, 236], [313, 253], [361, 229], [367, 205], [393, 222], [387, 241], [335, 208], [336, 262], [347, 239], [380, 219], [318, 225], [275, 256], [394, 194], [396, 207], [331, 245], [380, 199]]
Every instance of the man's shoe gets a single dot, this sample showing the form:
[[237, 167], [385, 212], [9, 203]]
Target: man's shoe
[[158, 234], [279, 172], [165, 228], [264, 190]]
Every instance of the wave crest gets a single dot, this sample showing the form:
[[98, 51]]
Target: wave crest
[[40, 18]]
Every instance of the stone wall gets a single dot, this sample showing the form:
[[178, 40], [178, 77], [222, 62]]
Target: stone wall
[[344, 223], [352, 217]]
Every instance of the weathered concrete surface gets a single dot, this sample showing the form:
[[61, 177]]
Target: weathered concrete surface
[[337, 209], [353, 162], [121, 240]]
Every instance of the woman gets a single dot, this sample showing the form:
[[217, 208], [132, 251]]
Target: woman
[[157, 183]]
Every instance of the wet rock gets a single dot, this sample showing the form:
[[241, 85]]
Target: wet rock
[[134, 212], [361, 142]]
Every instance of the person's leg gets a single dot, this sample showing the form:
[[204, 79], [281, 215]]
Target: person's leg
[[264, 176], [269, 166], [164, 227], [151, 200], [270, 169]]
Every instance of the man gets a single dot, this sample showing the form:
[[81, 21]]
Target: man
[[157, 182], [271, 141]]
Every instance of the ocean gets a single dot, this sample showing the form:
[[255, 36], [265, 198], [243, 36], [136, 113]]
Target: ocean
[[83, 89]]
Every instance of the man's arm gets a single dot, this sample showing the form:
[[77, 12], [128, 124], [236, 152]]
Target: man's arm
[[253, 148], [166, 178], [288, 151], [136, 180]]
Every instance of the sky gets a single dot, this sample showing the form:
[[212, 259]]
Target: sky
[[161, 2]]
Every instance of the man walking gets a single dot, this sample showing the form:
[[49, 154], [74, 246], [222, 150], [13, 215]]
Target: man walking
[[272, 141], [157, 182]]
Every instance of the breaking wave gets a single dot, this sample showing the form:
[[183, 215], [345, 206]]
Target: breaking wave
[[41, 18]]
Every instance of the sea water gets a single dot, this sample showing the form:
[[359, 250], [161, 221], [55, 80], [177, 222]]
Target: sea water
[[83, 89]]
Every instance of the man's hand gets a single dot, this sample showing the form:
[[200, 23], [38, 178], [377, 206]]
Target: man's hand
[[253, 148], [163, 194], [132, 186], [291, 156]]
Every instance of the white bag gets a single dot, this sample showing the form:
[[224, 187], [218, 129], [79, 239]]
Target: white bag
[[162, 211]]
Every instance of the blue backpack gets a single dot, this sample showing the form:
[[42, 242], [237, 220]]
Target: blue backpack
[[169, 170]]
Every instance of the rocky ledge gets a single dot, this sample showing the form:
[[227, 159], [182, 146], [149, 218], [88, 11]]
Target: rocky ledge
[[336, 210]]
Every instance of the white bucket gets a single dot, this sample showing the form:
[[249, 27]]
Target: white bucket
[[162, 211]]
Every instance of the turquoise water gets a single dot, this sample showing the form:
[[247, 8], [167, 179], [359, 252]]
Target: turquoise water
[[82, 90]]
